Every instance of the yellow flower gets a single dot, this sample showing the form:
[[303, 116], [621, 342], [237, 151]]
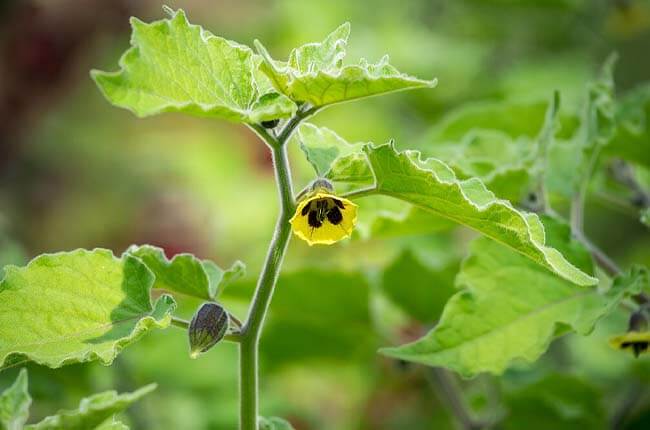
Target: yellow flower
[[637, 341], [323, 217]]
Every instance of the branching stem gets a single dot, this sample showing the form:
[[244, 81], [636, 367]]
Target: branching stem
[[252, 328]]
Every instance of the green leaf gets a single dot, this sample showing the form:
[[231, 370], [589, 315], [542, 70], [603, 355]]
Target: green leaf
[[502, 144], [93, 411], [186, 274], [632, 138], [559, 402], [510, 310], [174, 66], [416, 289], [315, 73], [414, 221], [115, 425], [274, 423], [77, 306], [324, 148], [431, 185], [14, 404]]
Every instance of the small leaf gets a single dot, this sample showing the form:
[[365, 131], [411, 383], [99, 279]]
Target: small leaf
[[430, 184], [14, 404], [510, 310], [274, 423], [77, 306], [93, 411], [323, 147], [186, 274], [174, 66], [315, 73]]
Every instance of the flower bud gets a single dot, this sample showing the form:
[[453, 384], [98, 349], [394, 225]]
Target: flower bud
[[322, 184], [209, 325]]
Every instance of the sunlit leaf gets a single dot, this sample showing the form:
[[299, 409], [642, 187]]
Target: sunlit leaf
[[510, 310], [324, 148], [315, 73], [186, 274], [432, 185], [93, 411], [174, 66], [77, 306], [114, 425], [14, 404]]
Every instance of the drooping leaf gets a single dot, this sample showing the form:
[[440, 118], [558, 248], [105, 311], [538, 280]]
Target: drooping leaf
[[14, 404], [186, 274], [174, 66], [510, 310], [432, 185], [558, 401], [315, 73], [418, 290], [77, 306], [274, 423], [93, 411]]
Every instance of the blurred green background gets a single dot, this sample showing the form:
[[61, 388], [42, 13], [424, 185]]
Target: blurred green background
[[77, 172]]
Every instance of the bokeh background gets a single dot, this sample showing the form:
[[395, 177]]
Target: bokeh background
[[77, 172]]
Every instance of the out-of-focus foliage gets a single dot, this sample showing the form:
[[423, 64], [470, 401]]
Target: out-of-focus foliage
[[75, 172]]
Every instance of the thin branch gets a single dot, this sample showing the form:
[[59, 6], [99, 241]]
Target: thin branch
[[185, 325], [444, 384], [362, 192]]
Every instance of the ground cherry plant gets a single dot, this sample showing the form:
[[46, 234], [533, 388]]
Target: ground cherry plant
[[531, 274]]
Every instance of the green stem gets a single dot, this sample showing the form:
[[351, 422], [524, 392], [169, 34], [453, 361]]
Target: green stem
[[362, 192], [251, 331]]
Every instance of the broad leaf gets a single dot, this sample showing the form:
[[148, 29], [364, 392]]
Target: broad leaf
[[186, 274], [93, 411], [274, 423], [14, 404], [430, 184], [315, 73], [510, 310], [174, 66], [77, 306], [418, 290]]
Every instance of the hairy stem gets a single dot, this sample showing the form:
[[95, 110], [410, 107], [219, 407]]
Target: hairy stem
[[252, 329]]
